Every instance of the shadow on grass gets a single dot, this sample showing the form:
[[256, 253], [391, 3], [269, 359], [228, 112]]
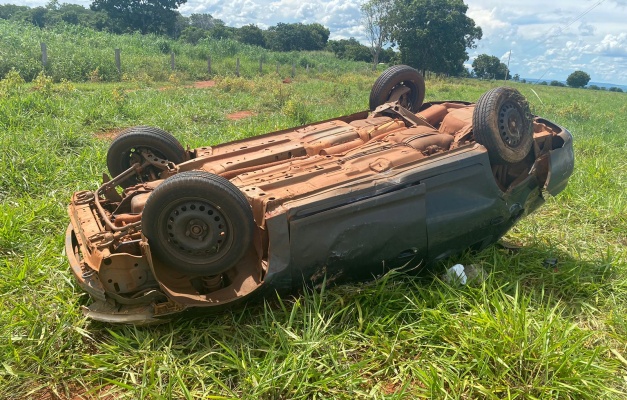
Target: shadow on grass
[[527, 330]]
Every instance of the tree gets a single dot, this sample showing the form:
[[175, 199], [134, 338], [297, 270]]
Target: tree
[[180, 24], [193, 34], [145, 16], [375, 15], [556, 83], [204, 21], [358, 53], [250, 34], [298, 36], [349, 49], [221, 31], [318, 36], [38, 16], [516, 78], [433, 34], [578, 79], [78, 15], [54, 13], [10, 11], [285, 37], [71, 13], [615, 89], [390, 56], [489, 67]]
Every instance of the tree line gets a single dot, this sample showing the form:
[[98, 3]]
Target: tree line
[[491, 67], [160, 17], [429, 35]]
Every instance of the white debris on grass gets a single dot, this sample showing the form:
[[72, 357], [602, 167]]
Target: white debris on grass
[[456, 274], [459, 274]]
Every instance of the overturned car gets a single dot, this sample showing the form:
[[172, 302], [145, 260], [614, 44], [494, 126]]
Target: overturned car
[[345, 199]]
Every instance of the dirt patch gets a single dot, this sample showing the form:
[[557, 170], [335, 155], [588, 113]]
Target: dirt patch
[[240, 115], [108, 135], [196, 85], [204, 84], [391, 388]]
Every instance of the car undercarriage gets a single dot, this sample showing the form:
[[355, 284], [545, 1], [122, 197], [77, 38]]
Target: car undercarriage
[[346, 199]]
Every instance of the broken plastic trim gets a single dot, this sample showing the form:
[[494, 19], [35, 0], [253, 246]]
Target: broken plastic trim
[[104, 312]]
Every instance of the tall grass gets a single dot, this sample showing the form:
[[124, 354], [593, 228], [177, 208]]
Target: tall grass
[[81, 54], [528, 332]]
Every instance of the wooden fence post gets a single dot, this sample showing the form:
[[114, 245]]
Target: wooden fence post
[[260, 66], [44, 54], [237, 67], [172, 61], [307, 68], [209, 65], [293, 69], [118, 62], [277, 67]]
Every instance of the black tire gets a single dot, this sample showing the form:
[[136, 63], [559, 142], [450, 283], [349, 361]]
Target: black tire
[[503, 123], [198, 223], [396, 78], [124, 151]]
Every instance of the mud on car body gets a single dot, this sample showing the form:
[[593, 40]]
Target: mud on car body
[[343, 199]]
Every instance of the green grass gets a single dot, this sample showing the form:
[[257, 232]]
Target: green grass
[[81, 54], [527, 332]]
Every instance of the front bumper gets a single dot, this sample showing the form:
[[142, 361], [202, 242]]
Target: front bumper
[[87, 279], [108, 307]]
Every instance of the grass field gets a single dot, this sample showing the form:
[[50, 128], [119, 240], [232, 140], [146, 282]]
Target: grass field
[[528, 332], [80, 54]]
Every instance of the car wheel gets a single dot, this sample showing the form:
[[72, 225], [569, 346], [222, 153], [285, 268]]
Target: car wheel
[[198, 223], [399, 83], [125, 150], [503, 123]]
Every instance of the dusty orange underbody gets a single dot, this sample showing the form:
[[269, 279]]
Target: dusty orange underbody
[[274, 171]]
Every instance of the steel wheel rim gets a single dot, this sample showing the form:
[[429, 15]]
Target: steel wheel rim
[[196, 231], [510, 124]]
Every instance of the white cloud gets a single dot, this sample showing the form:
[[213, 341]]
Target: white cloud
[[613, 46], [342, 17], [487, 19], [586, 29]]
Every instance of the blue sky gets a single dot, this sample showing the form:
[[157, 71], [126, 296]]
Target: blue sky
[[548, 39]]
